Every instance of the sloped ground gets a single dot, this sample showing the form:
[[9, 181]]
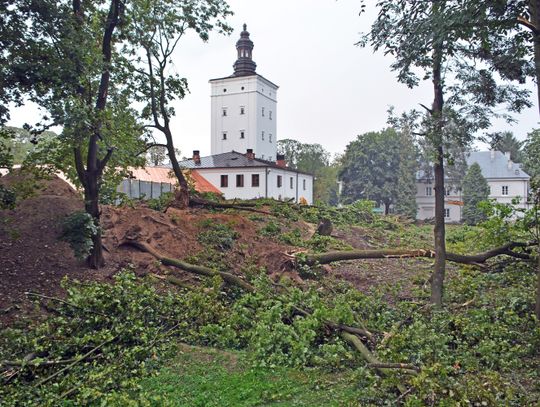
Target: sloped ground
[[35, 260]]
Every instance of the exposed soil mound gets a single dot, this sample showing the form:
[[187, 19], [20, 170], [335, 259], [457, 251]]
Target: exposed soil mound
[[33, 259]]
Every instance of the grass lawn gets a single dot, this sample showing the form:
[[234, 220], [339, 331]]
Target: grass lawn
[[208, 377]]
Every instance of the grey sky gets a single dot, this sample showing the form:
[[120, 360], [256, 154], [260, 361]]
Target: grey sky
[[330, 89]]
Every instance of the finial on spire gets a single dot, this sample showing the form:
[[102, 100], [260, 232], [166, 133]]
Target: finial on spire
[[244, 65]]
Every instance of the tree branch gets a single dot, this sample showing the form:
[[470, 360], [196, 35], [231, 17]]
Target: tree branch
[[528, 24]]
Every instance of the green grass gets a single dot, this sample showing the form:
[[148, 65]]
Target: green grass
[[208, 377]]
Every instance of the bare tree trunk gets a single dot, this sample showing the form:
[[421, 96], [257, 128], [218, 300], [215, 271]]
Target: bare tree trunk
[[534, 10], [537, 306], [437, 279], [182, 195]]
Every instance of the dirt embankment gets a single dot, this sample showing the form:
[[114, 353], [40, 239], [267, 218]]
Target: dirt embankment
[[33, 259]]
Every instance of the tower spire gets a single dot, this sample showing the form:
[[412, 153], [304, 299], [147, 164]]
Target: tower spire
[[244, 65]]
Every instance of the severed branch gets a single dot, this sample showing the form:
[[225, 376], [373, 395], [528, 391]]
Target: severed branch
[[192, 268], [46, 297], [195, 201], [330, 257]]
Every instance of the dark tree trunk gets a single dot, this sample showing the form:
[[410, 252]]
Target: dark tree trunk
[[182, 195], [537, 306], [534, 8], [437, 279], [90, 176]]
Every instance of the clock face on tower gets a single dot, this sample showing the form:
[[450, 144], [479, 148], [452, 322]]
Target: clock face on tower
[[244, 107]]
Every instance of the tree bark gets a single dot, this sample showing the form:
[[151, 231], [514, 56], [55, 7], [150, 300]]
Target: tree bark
[[534, 10], [330, 257], [537, 305], [90, 176], [437, 279]]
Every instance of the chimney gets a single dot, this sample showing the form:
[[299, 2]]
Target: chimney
[[250, 154], [280, 161], [196, 157]]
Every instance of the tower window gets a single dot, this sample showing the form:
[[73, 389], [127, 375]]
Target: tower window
[[304, 184], [242, 135], [263, 112], [291, 182], [262, 135], [270, 115], [254, 180], [224, 136], [242, 88], [240, 180], [224, 181], [224, 90], [279, 181], [242, 110], [224, 112], [270, 138]]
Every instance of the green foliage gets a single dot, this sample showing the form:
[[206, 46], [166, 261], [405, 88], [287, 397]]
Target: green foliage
[[217, 236], [78, 230], [271, 229], [475, 190], [313, 159], [7, 198], [506, 142], [531, 154], [378, 165], [162, 203]]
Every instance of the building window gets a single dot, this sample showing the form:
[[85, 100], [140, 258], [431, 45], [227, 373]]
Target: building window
[[291, 182], [279, 181], [242, 134], [263, 112], [224, 90], [428, 191], [242, 110], [505, 189], [224, 181], [240, 180], [304, 184], [224, 136], [224, 112], [447, 191], [270, 138], [270, 115], [489, 189], [262, 135], [446, 212], [254, 180]]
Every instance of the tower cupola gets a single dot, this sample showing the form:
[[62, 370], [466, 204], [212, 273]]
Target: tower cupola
[[244, 65]]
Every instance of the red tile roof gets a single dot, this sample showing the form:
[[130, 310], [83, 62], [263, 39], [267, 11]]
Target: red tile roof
[[166, 175]]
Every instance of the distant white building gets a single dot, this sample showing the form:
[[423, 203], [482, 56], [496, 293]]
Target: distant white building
[[244, 162], [505, 178]]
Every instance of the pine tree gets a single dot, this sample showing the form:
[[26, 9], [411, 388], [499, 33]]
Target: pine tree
[[475, 190]]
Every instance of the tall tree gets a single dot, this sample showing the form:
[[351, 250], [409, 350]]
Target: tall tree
[[371, 168], [441, 39], [506, 142], [531, 154], [475, 190], [156, 28], [314, 159]]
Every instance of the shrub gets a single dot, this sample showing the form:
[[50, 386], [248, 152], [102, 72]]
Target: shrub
[[78, 230]]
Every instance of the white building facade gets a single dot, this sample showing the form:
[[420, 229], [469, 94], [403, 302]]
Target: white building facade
[[244, 163], [506, 180]]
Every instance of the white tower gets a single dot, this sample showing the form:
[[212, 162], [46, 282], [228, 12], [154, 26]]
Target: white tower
[[244, 108]]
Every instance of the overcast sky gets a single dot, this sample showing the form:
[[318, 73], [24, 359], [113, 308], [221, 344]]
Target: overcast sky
[[330, 90]]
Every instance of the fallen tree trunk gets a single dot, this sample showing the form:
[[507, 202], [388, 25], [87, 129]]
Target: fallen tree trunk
[[348, 332], [196, 201], [192, 268], [330, 257]]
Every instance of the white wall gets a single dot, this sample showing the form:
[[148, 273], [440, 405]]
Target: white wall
[[426, 204], [253, 93], [267, 183]]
